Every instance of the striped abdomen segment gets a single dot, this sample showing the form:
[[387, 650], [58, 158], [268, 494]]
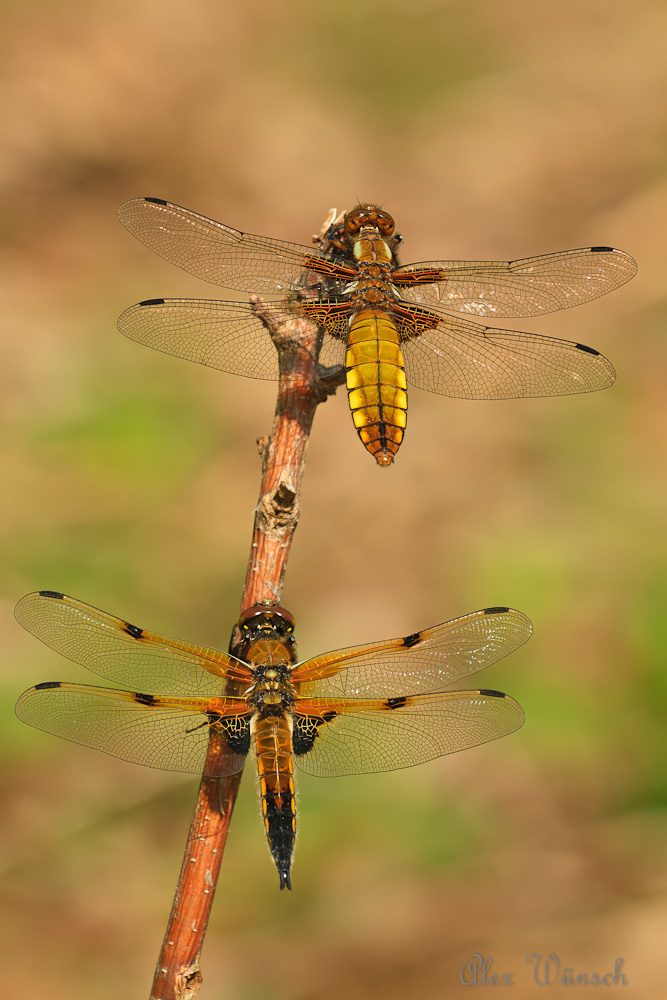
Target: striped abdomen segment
[[376, 383], [273, 746]]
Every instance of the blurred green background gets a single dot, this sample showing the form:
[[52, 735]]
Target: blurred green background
[[489, 130]]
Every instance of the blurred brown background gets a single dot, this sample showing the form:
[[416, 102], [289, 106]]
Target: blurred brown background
[[490, 130]]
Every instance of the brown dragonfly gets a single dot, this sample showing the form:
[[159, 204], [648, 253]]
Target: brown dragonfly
[[382, 321], [377, 707]]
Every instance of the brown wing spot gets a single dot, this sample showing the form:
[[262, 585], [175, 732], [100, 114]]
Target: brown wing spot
[[157, 201], [51, 593], [496, 611], [152, 302], [334, 267], [396, 702], [588, 350], [133, 630], [602, 249], [306, 729], [47, 685], [425, 276], [236, 730], [144, 699], [412, 640], [491, 694]]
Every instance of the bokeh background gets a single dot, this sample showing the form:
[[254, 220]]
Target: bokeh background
[[490, 130]]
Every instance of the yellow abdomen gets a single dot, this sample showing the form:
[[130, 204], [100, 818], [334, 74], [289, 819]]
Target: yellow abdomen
[[273, 747], [376, 383]]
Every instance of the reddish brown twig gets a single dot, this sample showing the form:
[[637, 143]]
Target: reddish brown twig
[[300, 390]]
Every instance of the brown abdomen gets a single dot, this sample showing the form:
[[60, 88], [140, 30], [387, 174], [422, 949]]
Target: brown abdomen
[[376, 385], [273, 746]]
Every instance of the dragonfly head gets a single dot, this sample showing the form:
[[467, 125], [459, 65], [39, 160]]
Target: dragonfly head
[[368, 233], [361, 225], [267, 620], [368, 217]]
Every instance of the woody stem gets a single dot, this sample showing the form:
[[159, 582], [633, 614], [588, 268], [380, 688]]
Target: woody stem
[[300, 390]]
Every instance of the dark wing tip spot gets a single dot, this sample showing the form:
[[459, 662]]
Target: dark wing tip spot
[[157, 201], [47, 685], [53, 594], [588, 350], [412, 640], [602, 249], [491, 694], [152, 302], [496, 611], [133, 630], [397, 702], [144, 699]]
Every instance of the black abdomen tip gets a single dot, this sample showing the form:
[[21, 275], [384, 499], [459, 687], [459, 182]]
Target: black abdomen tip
[[284, 878]]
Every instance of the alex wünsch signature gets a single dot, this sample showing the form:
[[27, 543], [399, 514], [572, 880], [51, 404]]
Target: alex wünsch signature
[[547, 970]]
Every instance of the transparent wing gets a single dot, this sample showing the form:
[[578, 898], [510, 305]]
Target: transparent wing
[[223, 335], [528, 287], [332, 352], [171, 734], [220, 254], [469, 361], [426, 661], [124, 653], [362, 738]]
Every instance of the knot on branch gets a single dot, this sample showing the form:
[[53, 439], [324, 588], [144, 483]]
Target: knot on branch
[[187, 983], [278, 510]]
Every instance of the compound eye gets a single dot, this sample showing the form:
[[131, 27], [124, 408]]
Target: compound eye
[[355, 220]]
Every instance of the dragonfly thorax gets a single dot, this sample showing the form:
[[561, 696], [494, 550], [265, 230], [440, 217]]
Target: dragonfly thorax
[[371, 247], [373, 287], [272, 690]]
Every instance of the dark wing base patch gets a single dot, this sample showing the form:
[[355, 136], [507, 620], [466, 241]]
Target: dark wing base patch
[[305, 731]]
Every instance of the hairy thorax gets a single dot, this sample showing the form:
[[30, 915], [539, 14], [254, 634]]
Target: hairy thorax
[[272, 692], [373, 289]]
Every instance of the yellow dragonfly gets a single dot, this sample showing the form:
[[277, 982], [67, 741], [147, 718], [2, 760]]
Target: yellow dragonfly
[[383, 321]]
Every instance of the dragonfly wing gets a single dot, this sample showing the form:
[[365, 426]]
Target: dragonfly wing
[[220, 254], [332, 353], [124, 653], [336, 738], [425, 661], [530, 287], [455, 357], [167, 733], [223, 335]]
